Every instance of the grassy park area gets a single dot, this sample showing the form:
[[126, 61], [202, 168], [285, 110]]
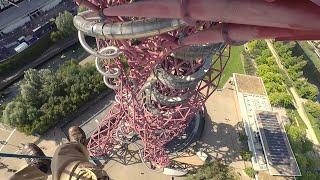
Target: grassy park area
[[234, 65], [308, 50]]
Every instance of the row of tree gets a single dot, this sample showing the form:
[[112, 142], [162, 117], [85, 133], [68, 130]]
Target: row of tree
[[277, 82], [273, 78], [295, 66], [47, 97]]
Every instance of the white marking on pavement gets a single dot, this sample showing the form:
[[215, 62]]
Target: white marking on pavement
[[8, 138]]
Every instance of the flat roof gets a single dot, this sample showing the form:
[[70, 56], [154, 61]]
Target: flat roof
[[276, 146], [15, 13], [249, 84]]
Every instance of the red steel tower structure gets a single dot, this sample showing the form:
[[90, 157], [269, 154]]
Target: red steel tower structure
[[165, 58]]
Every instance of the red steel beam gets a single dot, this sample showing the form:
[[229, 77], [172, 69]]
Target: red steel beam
[[316, 2], [87, 4], [238, 32], [291, 14]]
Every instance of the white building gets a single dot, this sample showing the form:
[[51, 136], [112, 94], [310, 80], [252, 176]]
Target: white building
[[15, 17]]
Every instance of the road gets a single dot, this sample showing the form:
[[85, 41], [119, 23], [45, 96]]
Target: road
[[298, 102]]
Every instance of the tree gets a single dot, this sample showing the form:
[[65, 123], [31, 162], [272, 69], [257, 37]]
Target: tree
[[298, 140], [272, 77], [311, 176], [47, 97], [64, 23], [243, 138], [313, 108], [213, 171], [263, 69], [256, 46], [283, 99], [274, 87], [296, 133], [55, 36], [306, 89], [17, 113]]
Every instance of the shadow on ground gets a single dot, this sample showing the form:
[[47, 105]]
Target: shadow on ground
[[219, 141]]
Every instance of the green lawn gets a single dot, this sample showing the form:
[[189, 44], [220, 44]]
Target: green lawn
[[308, 50], [234, 65], [315, 125]]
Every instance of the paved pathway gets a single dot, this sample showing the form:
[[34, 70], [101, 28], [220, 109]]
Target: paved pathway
[[12, 142], [298, 102]]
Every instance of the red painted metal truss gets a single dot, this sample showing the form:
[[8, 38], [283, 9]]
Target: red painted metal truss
[[165, 58]]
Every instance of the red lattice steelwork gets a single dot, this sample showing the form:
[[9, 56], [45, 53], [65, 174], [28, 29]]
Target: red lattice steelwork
[[160, 80]]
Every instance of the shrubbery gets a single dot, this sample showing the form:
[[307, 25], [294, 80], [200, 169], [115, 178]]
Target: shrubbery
[[246, 155], [47, 97], [250, 172], [313, 108], [243, 138], [213, 171]]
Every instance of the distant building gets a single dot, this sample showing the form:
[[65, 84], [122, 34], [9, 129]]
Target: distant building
[[27, 21], [13, 17], [5, 4]]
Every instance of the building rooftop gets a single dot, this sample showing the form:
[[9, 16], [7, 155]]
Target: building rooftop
[[276, 146], [249, 84], [14, 13]]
